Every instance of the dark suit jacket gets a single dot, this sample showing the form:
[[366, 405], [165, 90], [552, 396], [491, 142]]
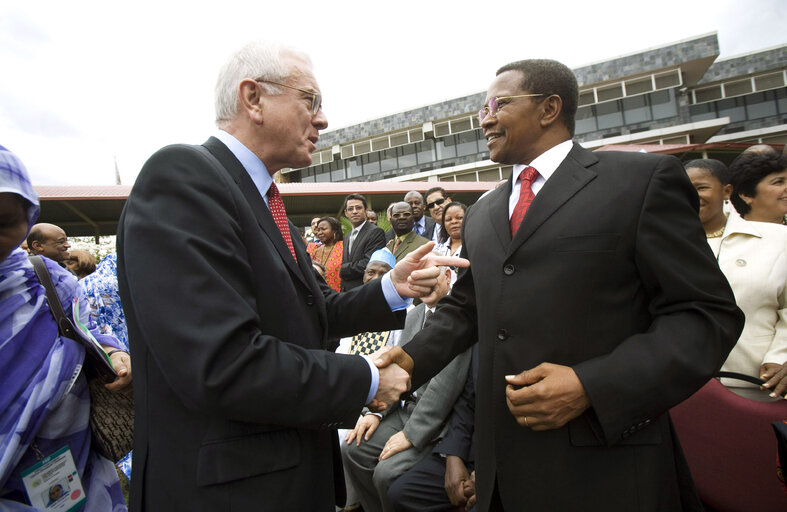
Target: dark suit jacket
[[369, 239], [411, 242], [235, 396], [610, 274], [429, 224]]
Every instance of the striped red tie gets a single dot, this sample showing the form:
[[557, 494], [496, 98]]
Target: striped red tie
[[526, 196], [276, 206]]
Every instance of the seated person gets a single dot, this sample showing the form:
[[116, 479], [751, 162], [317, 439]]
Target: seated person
[[446, 477], [383, 446]]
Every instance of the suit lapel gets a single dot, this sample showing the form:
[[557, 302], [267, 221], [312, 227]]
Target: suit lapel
[[569, 178], [358, 240], [498, 213], [257, 203]]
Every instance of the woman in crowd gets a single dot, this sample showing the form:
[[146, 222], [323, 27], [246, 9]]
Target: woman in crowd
[[81, 263], [753, 257], [44, 397], [451, 234], [329, 254], [759, 182]]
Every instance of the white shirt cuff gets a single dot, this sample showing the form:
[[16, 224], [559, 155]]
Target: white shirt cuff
[[395, 301]]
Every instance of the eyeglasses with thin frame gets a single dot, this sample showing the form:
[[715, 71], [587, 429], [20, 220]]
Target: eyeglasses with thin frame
[[436, 202], [316, 97], [495, 106]]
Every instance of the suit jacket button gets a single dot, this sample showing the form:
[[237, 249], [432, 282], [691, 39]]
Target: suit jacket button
[[508, 269], [310, 300], [502, 334]]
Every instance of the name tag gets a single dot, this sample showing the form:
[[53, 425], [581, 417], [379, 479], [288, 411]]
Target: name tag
[[53, 483]]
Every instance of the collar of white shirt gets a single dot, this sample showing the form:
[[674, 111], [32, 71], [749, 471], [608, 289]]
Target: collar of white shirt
[[254, 167], [546, 164]]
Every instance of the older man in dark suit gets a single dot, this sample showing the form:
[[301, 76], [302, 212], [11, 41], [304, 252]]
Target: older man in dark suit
[[597, 305], [236, 397]]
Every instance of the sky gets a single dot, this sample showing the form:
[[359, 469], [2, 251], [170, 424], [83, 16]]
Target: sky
[[88, 85]]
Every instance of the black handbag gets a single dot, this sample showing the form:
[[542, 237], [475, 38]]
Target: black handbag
[[111, 413]]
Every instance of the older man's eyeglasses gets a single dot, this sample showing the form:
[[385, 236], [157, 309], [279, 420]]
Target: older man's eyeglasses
[[316, 97], [497, 102]]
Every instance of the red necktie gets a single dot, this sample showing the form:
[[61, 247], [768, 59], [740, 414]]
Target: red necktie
[[526, 196], [276, 206]]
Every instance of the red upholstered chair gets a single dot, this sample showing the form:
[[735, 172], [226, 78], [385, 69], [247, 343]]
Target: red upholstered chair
[[731, 448]]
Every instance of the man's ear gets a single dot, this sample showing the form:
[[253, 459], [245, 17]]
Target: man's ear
[[551, 107], [251, 99]]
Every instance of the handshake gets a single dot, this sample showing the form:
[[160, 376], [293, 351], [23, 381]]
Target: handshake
[[395, 367]]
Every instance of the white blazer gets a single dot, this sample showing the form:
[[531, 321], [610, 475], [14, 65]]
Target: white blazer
[[753, 256]]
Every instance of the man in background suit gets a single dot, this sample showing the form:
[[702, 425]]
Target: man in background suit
[[405, 238], [364, 238], [597, 306], [422, 225], [236, 398]]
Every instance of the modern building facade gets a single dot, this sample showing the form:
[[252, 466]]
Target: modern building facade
[[681, 93]]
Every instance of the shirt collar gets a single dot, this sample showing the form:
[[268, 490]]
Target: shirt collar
[[358, 229], [254, 167], [547, 162], [738, 225]]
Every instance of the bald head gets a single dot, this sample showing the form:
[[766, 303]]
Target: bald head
[[50, 241], [760, 149], [416, 200]]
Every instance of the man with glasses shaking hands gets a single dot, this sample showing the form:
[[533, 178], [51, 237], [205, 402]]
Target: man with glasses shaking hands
[[597, 306], [237, 400]]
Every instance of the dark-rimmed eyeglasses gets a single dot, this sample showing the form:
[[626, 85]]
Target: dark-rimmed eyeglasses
[[316, 97], [436, 202], [494, 104]]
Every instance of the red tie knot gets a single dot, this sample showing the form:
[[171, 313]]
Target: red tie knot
[[528, 174]]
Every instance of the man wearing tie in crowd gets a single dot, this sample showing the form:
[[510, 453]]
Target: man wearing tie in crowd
[[237, 399], [597, 306]]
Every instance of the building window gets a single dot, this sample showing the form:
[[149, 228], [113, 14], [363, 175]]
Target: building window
[[760, 105], [371, 164], [585, 120], [636, 109], [703, 112], [406, 156], [732, 107], [609, 115], [446, 147], [354, 167], [425, 152], [467, 143], [388, 160], [664, 104]]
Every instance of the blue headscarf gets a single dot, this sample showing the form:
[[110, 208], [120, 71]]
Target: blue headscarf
[[14, 179]]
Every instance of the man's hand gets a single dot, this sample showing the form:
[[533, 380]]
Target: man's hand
[[393, 382], [364, 429], [416, 275], [776, 376], [456, 475], [551, 395], [393, 355], [469, 486], [395, 444]]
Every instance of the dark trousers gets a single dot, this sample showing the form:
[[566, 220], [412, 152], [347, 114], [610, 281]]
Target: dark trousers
[[421, 488]]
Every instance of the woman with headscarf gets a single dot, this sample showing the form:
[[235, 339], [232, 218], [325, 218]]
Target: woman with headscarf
[[43, 392], [753, 257]]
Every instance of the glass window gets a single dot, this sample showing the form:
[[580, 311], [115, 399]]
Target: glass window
[[354, 167], [388, 160], [664, 104], [732, 107], [760, 105], [406, 156], [781, 100], [322, 177], [609, 115], [425, 151], [446, 147], [337, 174], [702, 111], [636, 109], [467, 143], [585, 120], [371, 164]]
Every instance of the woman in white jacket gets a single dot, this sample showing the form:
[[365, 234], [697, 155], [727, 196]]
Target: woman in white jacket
[[753, 257]]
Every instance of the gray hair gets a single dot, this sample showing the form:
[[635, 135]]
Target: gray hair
[[256, 60]]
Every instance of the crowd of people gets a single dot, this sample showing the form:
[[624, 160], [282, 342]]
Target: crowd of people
[[522, 351]]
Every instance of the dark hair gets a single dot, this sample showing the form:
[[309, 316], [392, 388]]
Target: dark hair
[[335, 225], [435, 189], [36, 235], [359, 197], [544, 76], [443, 231], [717, 169], [747, 171]]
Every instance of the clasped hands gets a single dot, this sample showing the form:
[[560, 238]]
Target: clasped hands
[[414, 276]]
